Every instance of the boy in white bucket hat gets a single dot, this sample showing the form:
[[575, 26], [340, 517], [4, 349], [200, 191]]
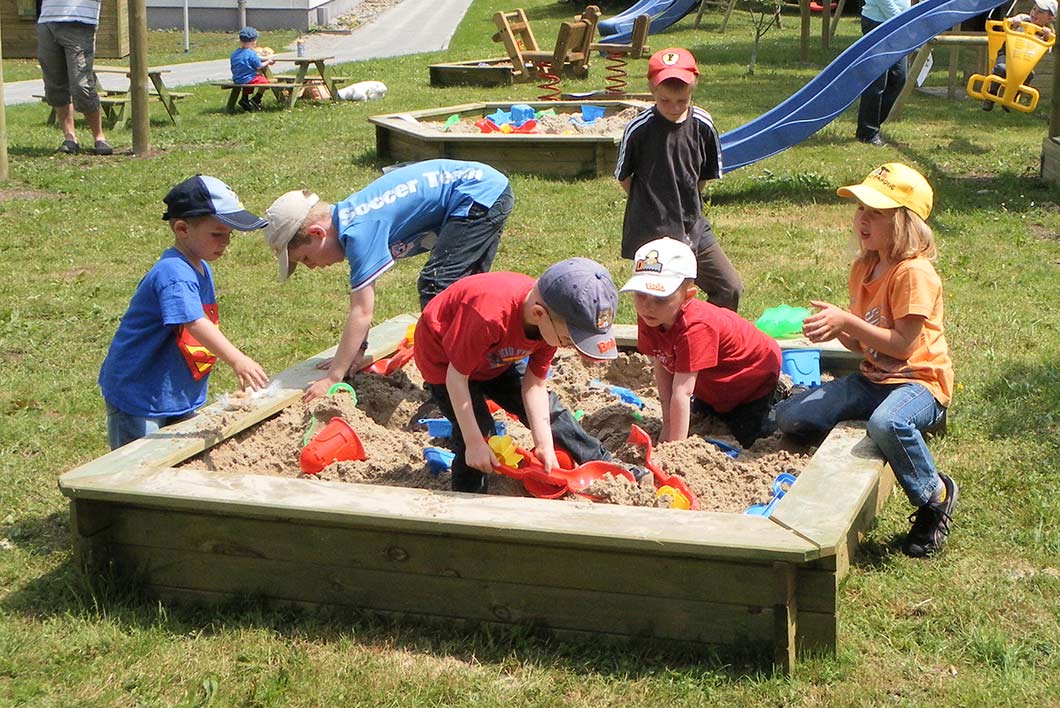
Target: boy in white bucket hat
[[701, 351], [1043, 14]]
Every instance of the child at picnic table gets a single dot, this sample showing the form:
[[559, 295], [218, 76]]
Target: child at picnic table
[[895, 319], [248, 68], [666, 156], [451, 209], [156, 370], [701, 352], [470, 344]]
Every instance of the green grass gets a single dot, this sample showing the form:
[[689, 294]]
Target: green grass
[[167, 47], [975, 627]]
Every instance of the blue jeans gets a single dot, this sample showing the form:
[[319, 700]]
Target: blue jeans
[[897, 415], [466, 245], [506, 391], [878, 99], [123, 428]]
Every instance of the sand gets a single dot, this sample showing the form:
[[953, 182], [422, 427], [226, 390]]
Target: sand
[[388, 410]]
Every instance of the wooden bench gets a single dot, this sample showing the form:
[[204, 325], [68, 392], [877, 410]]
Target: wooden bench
[[113, 106], [279, 90]]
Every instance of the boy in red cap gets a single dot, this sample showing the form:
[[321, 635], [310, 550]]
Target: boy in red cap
[[470, 344], [667, 154]]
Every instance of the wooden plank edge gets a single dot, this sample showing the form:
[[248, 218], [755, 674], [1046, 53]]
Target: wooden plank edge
[[214, 424]]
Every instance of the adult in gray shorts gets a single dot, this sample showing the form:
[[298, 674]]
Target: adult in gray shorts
[[66, 45]]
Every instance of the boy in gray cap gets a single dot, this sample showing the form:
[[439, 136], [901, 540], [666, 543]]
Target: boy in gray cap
[[471, 343]]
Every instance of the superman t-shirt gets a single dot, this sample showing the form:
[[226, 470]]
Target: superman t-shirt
[[154, 367]]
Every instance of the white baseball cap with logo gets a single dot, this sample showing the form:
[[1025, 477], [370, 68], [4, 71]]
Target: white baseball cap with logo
[[1046, 6], [660, 267]]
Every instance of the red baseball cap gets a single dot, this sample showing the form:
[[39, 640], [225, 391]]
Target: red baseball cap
[[672, 63]]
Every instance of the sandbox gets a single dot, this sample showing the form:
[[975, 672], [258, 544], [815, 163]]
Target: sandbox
[[413, 136], [569, 568]]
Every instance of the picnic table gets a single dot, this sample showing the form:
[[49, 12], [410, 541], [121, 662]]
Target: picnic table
[[162, 94], [302, 77]]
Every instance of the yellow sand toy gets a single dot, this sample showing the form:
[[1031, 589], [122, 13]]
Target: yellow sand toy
[[1025, 45]]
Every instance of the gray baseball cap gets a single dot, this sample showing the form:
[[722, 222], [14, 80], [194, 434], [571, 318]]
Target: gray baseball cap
[[581, 291]]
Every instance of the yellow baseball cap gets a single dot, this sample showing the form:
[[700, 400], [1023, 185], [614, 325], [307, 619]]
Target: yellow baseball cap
[[891, 186]]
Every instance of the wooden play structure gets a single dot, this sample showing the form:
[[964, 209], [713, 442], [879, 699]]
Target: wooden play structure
[[1051, 144], [531, 62], [617, 57], [829, 20], [19, 20], [694, 580]]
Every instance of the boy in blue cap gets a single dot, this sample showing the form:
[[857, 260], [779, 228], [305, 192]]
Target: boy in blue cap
[[248, 68], [156, 370], [453, 209]]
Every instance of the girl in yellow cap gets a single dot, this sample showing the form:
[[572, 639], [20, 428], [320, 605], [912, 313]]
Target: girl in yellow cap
[[895, 320]]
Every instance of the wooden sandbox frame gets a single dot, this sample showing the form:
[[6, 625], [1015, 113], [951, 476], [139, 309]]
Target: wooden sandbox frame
[[399, 139], [708, 580]]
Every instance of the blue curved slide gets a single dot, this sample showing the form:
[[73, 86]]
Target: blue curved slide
[[663, 13], [817, 103]]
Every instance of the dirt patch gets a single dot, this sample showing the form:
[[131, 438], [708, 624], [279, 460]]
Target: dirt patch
[[388, 409], [558, 124], [11, 195]]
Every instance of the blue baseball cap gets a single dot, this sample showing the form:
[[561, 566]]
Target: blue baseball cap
[[581, 291], [248, 34], [208, 196]]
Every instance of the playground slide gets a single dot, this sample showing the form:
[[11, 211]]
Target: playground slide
[[663, 13], [817, 103]]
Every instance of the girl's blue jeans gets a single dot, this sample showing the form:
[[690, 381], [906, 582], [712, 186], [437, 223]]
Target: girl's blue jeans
[[123, 428], [897, 415]]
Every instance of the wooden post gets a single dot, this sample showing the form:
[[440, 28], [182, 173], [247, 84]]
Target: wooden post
[[785, 617], [3, 120], [804, 35], [141, 119], [1054, 119]]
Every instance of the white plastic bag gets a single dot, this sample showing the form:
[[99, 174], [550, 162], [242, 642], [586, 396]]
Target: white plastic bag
[[363, 91]]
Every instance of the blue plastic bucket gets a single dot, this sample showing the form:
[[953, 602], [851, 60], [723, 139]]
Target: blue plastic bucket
[[803, 366]]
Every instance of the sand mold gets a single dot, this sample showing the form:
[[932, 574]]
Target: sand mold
[[386, 419]]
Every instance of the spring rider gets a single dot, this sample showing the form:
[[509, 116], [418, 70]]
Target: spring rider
[[1025, 45]]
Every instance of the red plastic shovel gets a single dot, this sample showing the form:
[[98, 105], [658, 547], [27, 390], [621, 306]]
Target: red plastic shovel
[[558, 481], [637, 436]]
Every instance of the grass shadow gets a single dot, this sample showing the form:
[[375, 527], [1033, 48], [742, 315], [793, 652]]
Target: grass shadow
[[1022, 399]]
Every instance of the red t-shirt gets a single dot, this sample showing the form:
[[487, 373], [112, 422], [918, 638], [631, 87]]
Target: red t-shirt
[[477, 325], [736, 362]]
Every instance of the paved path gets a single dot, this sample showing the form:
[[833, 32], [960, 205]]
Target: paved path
[[411, 27]]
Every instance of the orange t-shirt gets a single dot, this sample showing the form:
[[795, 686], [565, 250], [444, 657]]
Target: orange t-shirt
[[909, 287]]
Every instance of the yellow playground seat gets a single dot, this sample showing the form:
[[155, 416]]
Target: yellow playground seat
[[1024, 47]]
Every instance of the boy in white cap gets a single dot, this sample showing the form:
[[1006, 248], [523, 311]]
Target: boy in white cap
[[156, 370], [470, 343], [452, 209], [905, 381], [666, 156], [1043, 14], [700, 350]]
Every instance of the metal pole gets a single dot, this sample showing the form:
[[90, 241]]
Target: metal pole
[[187, 31], [138, 76], [3, 121], [242, 4]]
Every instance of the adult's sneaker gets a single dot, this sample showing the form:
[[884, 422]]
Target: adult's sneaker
[[931, 524]]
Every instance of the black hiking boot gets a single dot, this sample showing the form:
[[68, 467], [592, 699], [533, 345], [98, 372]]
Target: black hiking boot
[[931, 524]]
